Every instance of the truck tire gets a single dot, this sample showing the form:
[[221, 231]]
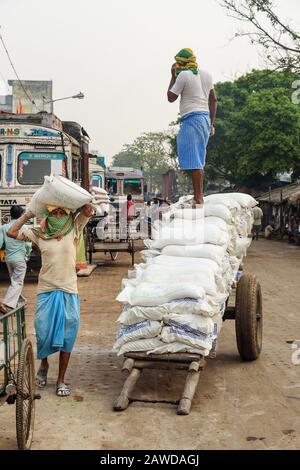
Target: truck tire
[[249, 318]]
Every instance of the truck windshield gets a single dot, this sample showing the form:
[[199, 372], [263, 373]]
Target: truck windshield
[[111, 186], [97, 181], [33, 166], [132, 186]]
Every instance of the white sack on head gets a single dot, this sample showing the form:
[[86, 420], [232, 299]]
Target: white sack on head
[[58, 191]]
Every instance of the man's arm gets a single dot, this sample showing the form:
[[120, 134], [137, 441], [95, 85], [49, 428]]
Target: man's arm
[[172, 96], [212, 104], [13, 231]]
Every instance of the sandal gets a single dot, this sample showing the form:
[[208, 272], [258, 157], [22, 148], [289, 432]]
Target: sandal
[[41, 377], [62, 390]]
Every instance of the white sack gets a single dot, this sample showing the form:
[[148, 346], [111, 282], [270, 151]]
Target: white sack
[[142, 330], [192, 234], [141, 345], [210, 326], [214, 252], [131, 315], [148, 294], [245, 200], [218, 210], [231, 204], [205, 277], [178, 347], [58, 191], [189, 336]]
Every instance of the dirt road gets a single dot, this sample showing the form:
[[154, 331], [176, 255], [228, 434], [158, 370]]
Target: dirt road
[[237, 405]]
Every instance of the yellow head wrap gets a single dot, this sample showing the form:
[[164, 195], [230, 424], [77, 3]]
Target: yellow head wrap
[[51, 208], [186, 60]]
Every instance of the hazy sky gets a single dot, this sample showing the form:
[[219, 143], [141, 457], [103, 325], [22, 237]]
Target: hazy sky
[[119, 54]]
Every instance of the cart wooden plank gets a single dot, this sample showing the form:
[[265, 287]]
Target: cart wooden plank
[[135, 362]]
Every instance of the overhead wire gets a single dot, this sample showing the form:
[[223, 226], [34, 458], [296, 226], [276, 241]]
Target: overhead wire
[[16, 73]]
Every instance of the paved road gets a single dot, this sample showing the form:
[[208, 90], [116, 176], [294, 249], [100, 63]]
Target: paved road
[[237, 405]]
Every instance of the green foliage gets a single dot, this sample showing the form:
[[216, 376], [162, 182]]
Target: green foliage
[[154, 152], [257, 130]]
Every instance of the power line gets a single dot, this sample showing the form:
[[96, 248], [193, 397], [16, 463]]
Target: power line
[[16, 73], [5, 82]]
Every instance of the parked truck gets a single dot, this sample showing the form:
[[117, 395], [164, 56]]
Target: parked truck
[[35, 145]]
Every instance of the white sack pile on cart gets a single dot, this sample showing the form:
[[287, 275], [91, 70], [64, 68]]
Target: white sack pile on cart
[[175, 300]]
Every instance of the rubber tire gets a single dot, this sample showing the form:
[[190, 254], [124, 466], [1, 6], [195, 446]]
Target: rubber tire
[[114, 255], [249, 318], [25, 423]]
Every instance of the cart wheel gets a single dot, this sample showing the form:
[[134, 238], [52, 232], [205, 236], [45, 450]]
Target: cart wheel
[[248, 317], [114, 255], [25, 406]]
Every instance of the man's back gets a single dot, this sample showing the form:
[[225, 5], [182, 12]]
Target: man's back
[[194, 90], [16, 250]]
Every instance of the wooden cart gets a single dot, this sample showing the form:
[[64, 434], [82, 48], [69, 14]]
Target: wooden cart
[[247, 313], [113, 245], [17, 376]]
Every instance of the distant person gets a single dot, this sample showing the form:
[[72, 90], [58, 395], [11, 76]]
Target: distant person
[[198, 107], [269, 231], [130, 208], [16, 256], [148, 216], [257, 224]]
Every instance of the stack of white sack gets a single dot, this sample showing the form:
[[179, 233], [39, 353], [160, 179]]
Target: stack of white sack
[[101, 200], [175, 299], [58, 191]]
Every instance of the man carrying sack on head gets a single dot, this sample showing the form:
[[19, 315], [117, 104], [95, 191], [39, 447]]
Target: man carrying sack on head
[[198, 106]]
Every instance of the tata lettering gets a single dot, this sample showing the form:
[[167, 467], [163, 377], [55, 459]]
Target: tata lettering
[[8, 202]]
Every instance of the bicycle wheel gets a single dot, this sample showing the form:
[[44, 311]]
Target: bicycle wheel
[[25, 404]]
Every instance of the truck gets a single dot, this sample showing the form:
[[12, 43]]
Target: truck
[[121, 181], [35, 145]]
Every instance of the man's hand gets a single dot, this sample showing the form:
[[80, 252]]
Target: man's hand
[[88, 210], [173, 70], [28, 215], [212, 130]]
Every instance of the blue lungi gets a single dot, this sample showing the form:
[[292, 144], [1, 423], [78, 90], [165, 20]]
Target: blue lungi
[[192, 140], [56, 322]]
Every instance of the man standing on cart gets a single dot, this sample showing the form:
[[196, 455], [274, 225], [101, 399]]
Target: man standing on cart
[[198, 107], [57, 310]]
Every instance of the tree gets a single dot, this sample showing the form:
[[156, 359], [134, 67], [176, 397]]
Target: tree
[[153, 152], [257, 130], [280, 41]]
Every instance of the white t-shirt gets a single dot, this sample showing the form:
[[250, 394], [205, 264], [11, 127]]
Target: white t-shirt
[[194, 91]]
